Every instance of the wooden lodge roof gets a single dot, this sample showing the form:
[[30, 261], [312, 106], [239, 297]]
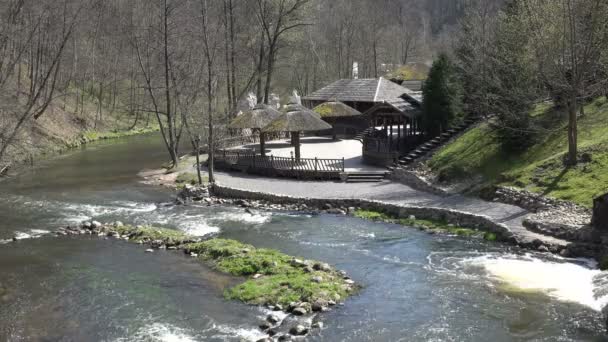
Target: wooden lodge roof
[[377, 91]]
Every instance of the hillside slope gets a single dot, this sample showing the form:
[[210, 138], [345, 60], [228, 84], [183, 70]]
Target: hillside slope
[[63, 126], [539, 168]]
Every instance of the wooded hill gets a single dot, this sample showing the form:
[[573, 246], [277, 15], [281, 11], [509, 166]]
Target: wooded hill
[[68, 67]]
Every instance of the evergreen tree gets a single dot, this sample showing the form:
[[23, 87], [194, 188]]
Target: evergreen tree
[[514, 83], [442, 96]]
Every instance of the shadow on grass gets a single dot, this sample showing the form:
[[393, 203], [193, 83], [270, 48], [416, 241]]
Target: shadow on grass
[[554, 183]]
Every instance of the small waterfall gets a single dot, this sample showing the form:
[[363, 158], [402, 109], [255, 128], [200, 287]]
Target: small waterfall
[[561, 279]]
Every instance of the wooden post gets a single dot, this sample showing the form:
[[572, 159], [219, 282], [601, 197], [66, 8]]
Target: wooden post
[[343, 167], [399, 133], [292, 161], [297, 143], [316, 164], [198, 161], [262, 143], [272, 161], [254, 159], [390, 138]]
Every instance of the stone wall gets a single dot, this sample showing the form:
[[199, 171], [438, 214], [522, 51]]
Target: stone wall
[[479, 222], [600, 213], [411, 179]]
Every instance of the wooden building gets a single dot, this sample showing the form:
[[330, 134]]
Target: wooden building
[[389, 126]]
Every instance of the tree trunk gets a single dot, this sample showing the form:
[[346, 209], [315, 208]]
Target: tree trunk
[[260, 69], [271, 51], [572, 132], [170, 123], [262, 143]]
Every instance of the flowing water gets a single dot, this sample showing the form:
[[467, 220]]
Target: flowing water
[[417, 287]]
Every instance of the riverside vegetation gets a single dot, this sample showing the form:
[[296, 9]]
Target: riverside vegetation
[[540, 167], [426, 225], [274, 279]]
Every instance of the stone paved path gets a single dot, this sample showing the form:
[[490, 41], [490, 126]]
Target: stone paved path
[[389, 192]]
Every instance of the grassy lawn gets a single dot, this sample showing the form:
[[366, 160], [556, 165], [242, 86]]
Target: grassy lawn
[[539, 168]]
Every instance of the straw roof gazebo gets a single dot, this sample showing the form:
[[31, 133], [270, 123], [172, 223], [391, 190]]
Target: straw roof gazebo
[[296, 119], [331, 111], [257, 118]]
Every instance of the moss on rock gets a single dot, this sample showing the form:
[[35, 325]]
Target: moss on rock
[[169, 237]]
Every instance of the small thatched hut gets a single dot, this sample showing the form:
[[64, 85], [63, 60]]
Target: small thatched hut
[[296, 119]]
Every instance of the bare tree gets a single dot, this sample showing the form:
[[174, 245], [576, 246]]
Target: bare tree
[[42, 32], [569, 37]]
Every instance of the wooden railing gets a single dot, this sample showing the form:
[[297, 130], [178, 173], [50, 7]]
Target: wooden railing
[[247, 160]]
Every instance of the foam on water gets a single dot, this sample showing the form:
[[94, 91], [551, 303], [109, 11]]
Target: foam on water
[[200, 228], [226, 331], [562, 280], [158, 332], [244, 217]]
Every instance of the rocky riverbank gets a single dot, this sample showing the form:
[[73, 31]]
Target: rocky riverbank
[[296, 290], [551, 217], [585, 242]]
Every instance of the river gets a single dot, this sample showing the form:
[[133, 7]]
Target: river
[[417, 287]]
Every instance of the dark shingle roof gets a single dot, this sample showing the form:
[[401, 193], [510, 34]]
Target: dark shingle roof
[[364, 90]]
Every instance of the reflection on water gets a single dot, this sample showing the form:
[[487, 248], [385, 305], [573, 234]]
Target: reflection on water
[[417, 287]]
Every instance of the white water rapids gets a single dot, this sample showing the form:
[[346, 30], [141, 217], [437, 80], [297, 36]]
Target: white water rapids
[[560, 279]]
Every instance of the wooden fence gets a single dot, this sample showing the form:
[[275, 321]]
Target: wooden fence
[[305, 168]]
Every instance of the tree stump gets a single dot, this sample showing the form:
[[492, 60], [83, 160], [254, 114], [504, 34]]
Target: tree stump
[[600, 212]]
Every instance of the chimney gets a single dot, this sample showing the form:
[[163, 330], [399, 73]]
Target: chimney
[[355, 70]]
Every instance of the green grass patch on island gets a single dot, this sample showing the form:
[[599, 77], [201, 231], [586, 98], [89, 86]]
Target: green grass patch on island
[[430, 225], [280, 279], [147, 234], [273, 277]]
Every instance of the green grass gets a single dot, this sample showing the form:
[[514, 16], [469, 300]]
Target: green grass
[[281, 282], [90, 136], [430, 225], [278, 280], [539, 168], [147, 234]]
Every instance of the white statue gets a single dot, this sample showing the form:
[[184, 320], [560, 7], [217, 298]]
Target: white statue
[[295, 98]]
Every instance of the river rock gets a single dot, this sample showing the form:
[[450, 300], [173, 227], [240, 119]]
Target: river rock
[[317, 325], [600, 213], [272, 318], [299, 311], [298, 263], [321, 266], [265, 339], [95, 225], [284, 338], [317, 279], [319, 305], [87, 225], [264, 326], [149, 250], [298, 330]]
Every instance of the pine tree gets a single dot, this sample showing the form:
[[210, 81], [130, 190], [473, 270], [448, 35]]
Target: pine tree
[[442, 96]]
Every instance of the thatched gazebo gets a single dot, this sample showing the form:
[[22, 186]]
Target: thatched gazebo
[[257, 118], [331, 111], [296, 119]]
